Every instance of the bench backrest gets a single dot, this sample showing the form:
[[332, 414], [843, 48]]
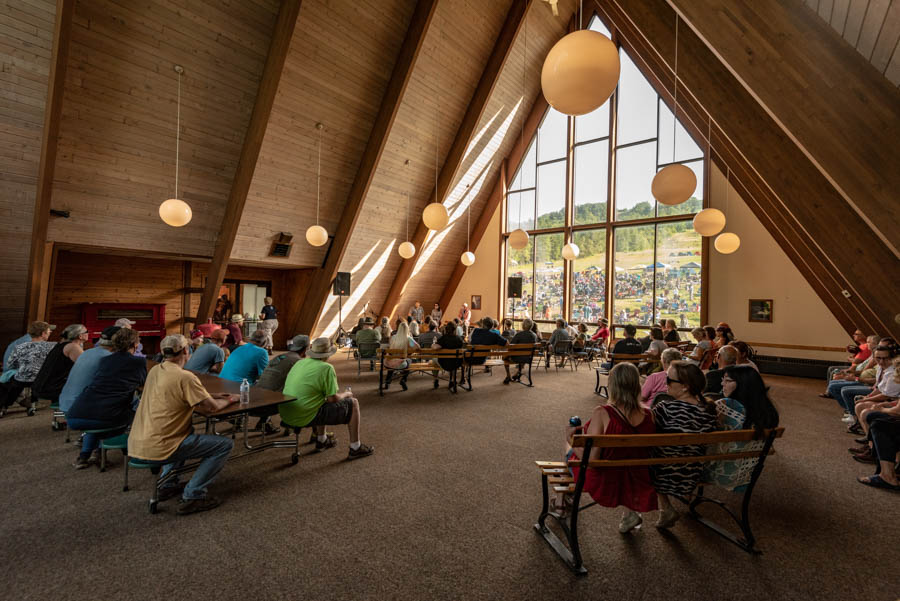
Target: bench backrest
[[421, 354], [632, 358]]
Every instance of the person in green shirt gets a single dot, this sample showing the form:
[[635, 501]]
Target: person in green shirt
[[369, 336], [313, 383]]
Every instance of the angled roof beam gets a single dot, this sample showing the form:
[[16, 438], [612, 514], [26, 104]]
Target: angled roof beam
[[62, 36], [384, 121], [477, 104], [253, 139]]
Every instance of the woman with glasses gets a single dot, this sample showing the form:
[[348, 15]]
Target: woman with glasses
[[683, 410], [746, 405]]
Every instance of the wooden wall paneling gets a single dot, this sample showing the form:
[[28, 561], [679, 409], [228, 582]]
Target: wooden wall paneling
[[187, 317], [62, 33], [453, 160], [265, 97], [415, 36]]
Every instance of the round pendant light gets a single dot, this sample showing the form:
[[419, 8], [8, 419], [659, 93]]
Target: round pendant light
[[570, 251], [435, 216], [709, 222], [580, 72], [727, 243], [468, 258], [673, 184], [407, 250], [316, 235], [518, 239], [174, 211]]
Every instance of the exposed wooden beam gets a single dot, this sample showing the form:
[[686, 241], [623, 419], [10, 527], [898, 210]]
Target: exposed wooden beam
[[253, 139], [62, 36], [453, 161], [320, 286], [532, 121]]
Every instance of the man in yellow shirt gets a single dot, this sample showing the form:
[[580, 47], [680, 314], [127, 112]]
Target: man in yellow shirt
[[162, 430]]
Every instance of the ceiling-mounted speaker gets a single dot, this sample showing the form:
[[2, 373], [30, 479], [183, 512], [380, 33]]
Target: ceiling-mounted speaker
[[282, 246]]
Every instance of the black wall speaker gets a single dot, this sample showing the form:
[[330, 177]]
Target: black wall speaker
[[342, 284], [514, 287]]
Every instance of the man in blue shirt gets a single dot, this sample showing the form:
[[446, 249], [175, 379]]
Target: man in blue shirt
[[248, 360], [485, 335], [85, 369], [209, 358]]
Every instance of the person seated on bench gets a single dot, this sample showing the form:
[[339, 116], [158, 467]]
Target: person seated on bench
[[274, 377], [626, 486], [401, 341], [429, 334], [670, 331], [713, 346], [627, 346], [248, 360], [85, 369], [59, 361], [654, 349], [162, 432], [745, 354], [601, 336], [859, 352], [847, 377], [656, 382], [724, 335], [210, 357], [682, 410], [701, 349], [884, 431], [508, 330], [746, 405], [884, 394], [560, 334], [313, 383], [727, 355], [368, 335], [485, 335], [109, 400], [27, 359], [451, 341], [526, 336], [385, 330]]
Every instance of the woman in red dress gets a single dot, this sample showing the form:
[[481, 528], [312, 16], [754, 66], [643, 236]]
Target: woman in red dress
[[626, 486]]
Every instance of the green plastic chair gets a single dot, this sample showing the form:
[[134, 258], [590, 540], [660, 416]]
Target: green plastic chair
[[116, 442], [57, 425]]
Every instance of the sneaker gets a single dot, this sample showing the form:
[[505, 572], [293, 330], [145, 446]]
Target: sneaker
[[82, 463], [403, 385], [630, 521], [329, 443], [188, 506], [362, 451], [170, 492], [848, 418], [95, 457], [667, 518]]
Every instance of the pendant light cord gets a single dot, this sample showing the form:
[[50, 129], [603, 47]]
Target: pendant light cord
[[675, 101], [178, 133], [318, 170], [468, 217], [407, 199], [522, 127], [727, 186]]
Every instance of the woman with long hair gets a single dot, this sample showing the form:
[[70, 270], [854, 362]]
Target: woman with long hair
[[746, 405], [626, 486], [401, 341], [745, 354]]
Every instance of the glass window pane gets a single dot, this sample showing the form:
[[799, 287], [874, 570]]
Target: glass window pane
[[520, 263], [679, 263], [589, 277], [633, 255], [695, 202], [685, 147], [637, 104], [635, 168], [598, 25], [520, 210], [593, 125], [551, 195], [591, 181], [548, 280], [525, 175], [552, 135]]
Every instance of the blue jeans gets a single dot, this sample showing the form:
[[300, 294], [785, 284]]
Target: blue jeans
[[848, 392], [835, 387], [90, 442], [214, 451]]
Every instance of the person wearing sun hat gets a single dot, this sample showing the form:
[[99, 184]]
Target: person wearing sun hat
[[313, 383], [196, 338], [235, 335]]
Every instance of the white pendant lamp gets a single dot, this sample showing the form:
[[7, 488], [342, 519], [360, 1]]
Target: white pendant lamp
[[316, 234], [468, 257], [570, 251], [407, 249], [518, 238], [435, 215], [709, 222], [174, 211], [728, 242], [674, 184], [580, 72]]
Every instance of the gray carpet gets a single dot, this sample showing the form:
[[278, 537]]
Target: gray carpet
[[443, 510]]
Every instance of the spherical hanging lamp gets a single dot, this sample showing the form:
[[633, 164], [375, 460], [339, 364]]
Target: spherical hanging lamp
[[580, 72], [570, 251], [407, 250], [709, 222], [316, 235], [518, 239], [175, 212], [435, 216], [727, 243], [673, 184], [468, 258]]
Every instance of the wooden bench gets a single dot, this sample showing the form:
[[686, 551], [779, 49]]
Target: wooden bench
[[614, 358], [495, 356], [556, 478], [420, 362]]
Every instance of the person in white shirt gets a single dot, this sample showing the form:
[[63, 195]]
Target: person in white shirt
[[887, 387]]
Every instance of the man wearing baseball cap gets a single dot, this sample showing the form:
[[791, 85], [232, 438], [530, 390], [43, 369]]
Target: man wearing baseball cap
[[274, 377], [318, 403], [85, 369]]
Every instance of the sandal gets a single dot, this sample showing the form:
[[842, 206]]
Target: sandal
[[877, 481]]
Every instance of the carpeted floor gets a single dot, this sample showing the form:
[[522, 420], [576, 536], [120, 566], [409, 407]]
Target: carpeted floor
[[443, 510]]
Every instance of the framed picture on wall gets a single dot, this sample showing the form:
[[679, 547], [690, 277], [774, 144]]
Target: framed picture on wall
[[476, 302], [761, 310]]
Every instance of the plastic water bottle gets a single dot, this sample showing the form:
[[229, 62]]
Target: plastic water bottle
[[349, 390], [245, 392]]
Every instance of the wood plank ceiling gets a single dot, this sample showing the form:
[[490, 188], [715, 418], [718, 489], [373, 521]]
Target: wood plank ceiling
[[872, 27]]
